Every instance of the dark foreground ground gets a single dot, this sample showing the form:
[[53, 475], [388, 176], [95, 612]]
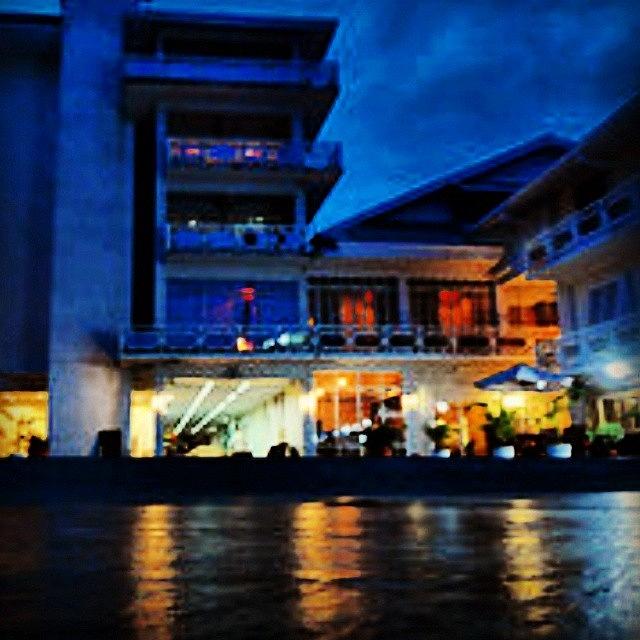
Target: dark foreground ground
[[555, 566], [192, 480]]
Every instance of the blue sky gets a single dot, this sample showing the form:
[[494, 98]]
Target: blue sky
[[431, 85]]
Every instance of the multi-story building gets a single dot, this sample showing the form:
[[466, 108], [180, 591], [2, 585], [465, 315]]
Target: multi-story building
[[163, 280], [578, 224]]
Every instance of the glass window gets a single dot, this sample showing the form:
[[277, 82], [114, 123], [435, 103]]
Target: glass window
[[232, 302], [353, 301], [452, 307]]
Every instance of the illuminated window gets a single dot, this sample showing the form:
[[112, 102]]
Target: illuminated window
[[353, 301]]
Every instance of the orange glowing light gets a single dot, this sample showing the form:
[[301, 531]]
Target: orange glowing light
[[242, 344]]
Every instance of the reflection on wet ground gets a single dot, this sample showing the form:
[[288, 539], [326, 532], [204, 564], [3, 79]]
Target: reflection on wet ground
[[551, 567]]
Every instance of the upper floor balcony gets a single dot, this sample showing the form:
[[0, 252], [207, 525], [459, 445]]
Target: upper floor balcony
[[309, 342], [197, 238], [162, 69], [594, 345], [588, 228], [197, 157]]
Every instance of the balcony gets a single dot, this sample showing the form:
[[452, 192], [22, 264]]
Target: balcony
[[200, 155], [594, 344], [302, 341], [155, 69], [203, 239], [586, 229]]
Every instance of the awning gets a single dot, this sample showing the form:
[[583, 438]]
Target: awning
[[523, 377]]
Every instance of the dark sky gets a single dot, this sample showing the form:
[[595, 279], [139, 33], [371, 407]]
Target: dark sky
[[431, 85]]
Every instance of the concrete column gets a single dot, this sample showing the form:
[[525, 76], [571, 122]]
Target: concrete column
[[309, 435], [160, 298], [92, 228], [159, 450]]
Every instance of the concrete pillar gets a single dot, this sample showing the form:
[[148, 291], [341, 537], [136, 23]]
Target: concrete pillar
[[92, 227], [309, 435], [160, 298]]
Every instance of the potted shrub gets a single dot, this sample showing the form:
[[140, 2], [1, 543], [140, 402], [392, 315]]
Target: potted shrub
[[501, 434], [438, 434]]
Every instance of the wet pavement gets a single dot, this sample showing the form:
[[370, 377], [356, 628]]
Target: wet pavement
[[552, 567]]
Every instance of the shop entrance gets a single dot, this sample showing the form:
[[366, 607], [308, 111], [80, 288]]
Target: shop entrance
[[349, 403], [212, 417]]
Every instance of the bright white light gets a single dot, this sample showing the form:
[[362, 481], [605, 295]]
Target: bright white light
[[513, 401], [567, 381], [362, 438], [442, 406], [342, 382], [192, 224], [160, 402], [221, 406], [541, 385], [366, 423], [243, 386], [284, 339], [618, 369], [192, 408]]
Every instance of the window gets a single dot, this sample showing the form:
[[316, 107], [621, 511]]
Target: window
[[452, 307], [545, 314], [603, 302], [191, 302], [353, 301], [541, 314]]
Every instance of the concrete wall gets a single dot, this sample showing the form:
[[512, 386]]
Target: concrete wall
[[28, 126], [92, 232]]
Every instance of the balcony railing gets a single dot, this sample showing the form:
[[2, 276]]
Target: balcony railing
[[585, 228], [198, 70], [232, 339], [203, 238], [185, 154], [606, 340]]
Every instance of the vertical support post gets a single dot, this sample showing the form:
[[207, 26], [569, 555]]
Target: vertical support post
[[159, 449], [309, 435], [160, 315], [403, 301], [358, 398]]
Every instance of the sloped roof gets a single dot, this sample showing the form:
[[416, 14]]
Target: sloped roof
[[618, 134], [461, 177]]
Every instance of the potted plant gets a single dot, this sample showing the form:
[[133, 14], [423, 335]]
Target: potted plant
[[500, 434], [438, 433]]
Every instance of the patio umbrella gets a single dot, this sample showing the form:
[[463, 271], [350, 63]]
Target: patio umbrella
[[524, 377]]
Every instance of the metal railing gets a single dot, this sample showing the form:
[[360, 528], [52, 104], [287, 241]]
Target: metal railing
[[336, 339], [205, 238], [586, 227], [208, 153], [602, 340]]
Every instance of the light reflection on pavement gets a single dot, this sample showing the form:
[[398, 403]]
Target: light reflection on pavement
[[551, 567]]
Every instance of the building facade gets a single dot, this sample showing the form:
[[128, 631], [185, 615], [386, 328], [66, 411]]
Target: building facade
[[578, 225], [164, 188]]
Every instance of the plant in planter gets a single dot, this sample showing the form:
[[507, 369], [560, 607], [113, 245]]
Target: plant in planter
[[499, 429], [578, 393], [438, 433]]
